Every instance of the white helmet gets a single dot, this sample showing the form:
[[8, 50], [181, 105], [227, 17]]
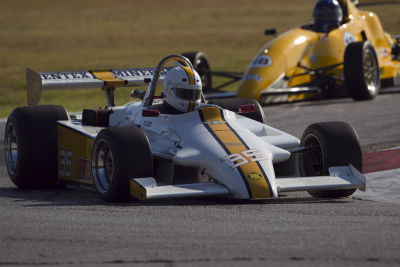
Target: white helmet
[[182, 89]]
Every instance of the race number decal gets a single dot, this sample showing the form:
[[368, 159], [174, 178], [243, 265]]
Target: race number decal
[[261, 61], [65, 162], [348, 38], [236, 160], [244, 157]]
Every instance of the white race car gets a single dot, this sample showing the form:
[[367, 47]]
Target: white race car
[[138, 151]]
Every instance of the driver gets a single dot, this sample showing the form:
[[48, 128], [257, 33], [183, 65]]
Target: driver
[[181, 90], [328, 15]]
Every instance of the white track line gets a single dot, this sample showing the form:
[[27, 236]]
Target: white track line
[[382, 186]]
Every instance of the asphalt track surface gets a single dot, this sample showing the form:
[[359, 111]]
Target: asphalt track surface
[[74, 227]]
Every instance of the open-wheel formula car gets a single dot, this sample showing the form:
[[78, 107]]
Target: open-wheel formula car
[[139, 151], [352, 56]]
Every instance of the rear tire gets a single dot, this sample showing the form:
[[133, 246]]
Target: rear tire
[[233, 104], [335, 144], [30, 145], [118, 154], [361, 71], [201, 65]]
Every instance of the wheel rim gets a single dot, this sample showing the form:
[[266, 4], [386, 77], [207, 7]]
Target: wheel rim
[[102, 166], [312, 161], [11, 148], [370, 70]]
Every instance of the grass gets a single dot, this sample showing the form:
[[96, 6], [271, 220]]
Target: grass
[[48, 35]]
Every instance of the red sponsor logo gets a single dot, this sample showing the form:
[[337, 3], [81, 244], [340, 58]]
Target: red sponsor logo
[[84, 170]]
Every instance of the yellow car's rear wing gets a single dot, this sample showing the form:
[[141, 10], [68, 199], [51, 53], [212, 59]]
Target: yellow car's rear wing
[[107, 80]]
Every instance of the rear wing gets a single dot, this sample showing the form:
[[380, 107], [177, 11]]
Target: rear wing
[[107, 80]]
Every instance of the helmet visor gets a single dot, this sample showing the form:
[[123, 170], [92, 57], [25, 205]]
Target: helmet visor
[[328, 16], [192, 94]]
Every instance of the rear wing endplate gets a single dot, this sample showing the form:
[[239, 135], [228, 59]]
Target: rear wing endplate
[[107, 80]]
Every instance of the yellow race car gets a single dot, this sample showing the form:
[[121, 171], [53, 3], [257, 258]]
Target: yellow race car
[[343, 51]]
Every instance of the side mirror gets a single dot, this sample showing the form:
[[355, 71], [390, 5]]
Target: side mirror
[[247, 108], [150, 113], [271, 31], [138, 94]]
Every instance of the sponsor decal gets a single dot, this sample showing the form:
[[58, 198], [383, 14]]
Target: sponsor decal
[[37, 86], [261, 61], [136, 73], [257, 78], [254, 176], [84, 170], [147, 123], [384, 52], [313, 58], [348, 38], [115, 73], [128, 115], [244, 157], [233, 144], [63, 76]]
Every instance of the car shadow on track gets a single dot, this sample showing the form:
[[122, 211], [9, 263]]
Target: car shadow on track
[[83, 197]]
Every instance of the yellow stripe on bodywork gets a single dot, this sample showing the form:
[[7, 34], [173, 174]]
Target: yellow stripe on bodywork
[[111, 81], [136, 190], [191, 106], [259, 187], [190, 75]]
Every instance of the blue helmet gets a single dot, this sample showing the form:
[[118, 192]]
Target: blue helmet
[[327, 15]]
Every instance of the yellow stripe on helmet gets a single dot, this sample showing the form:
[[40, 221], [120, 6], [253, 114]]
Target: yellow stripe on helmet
[[190, 75]]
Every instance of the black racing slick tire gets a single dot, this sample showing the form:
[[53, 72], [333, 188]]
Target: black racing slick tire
[[361, 71], [201, 65], [118, 154], [233, 104], [333, 144], [30, 145]]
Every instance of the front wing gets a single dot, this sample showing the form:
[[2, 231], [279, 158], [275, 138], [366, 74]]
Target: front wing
[[340, 178]]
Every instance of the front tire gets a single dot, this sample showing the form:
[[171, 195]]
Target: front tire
[[334, 144], [30, 145], [361, 71], [119, 154]]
